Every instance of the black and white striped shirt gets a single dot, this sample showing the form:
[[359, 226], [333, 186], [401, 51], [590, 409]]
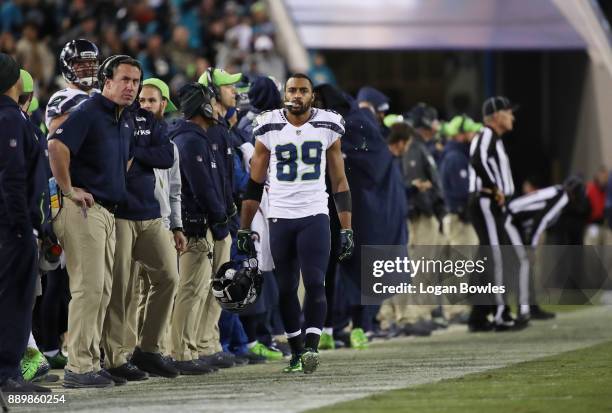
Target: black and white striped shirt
[[489, 164], [536, 211]]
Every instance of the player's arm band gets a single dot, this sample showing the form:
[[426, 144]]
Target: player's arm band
[[253, 191], [343, 201]]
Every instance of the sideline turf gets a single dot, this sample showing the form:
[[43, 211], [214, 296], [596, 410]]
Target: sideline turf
[[577, 381]]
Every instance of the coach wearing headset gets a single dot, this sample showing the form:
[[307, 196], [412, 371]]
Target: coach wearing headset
[[203, 203], [89, 155], [224, 138]]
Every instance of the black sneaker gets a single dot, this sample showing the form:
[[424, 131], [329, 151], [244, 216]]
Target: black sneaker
[[119, 381], [49, 378], [252, 358], [506, 323], [438, 318], [220, 360], [129, 372], [536, 313], [154, 364], [192, 368], [521, 322], [85, 380], [480, 326], [18, 385], [241, 361]]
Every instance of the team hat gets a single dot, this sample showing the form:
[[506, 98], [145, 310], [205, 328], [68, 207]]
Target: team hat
[[9, 72], [495, 104], [164, 90], [220, 78]]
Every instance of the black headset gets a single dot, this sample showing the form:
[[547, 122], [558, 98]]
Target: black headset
[[107, 69], [199, 103], [211, 83]]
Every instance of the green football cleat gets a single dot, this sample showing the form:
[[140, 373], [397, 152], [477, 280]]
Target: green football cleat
[[58, 361], [359, 341], [295, 365], [326, 342], [34, 365], [261, 349], [310, 361]]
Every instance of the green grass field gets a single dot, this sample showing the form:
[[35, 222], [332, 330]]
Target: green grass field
[[561, 365], [577, 381]]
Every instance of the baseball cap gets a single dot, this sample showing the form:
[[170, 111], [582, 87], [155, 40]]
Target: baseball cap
[[164, 90], [391, 119], [495, 104], [378, 99], [28, 87], [9, 72], [422, 116], [220, 78], [27, 81], [460, 124]]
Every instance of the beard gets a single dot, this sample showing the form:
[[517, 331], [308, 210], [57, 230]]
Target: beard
[[299, 110], [160, 113]]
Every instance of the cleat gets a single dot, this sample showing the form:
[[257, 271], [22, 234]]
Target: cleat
[[326, 342], [295, 365], [310, 361], [58, 361], [34, 365], [262, 350], [359, 340]]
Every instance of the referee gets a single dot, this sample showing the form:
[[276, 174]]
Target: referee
[[491, 185]]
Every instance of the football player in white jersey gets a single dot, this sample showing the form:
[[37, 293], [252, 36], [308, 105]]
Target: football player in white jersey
[[79, 64], [292, 149]]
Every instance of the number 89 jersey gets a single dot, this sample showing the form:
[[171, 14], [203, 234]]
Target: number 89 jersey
[[297, 160]]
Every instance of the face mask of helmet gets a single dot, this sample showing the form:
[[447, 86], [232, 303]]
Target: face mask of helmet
[[86, 71], [79, 63]]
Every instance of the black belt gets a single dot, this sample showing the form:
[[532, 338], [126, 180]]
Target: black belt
[[109, 206]]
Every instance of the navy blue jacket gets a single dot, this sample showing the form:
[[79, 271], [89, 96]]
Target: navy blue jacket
[[23, 180], [223, 142], [454, 173], [152, 149], [377, 192], [202, 180], [99, 143]]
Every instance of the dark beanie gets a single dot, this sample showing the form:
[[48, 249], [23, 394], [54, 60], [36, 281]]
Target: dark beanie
[[9, 72], [264, 95]]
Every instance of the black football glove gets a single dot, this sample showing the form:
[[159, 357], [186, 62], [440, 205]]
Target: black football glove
[[245, 243], [347, 244]]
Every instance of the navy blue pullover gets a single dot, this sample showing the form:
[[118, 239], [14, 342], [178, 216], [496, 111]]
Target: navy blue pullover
[[454, 173], [223, 141], [202, 180], [23, 180], [152, 149]]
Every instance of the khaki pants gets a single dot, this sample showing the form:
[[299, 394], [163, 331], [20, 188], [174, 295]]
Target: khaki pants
[[89, 245], [148, 243], [132, 327], [458, 233], [195, 268], [208, 326], [410, 308], [142, 291]]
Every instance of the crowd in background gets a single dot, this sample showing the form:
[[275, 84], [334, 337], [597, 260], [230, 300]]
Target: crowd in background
[[176, 40]]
